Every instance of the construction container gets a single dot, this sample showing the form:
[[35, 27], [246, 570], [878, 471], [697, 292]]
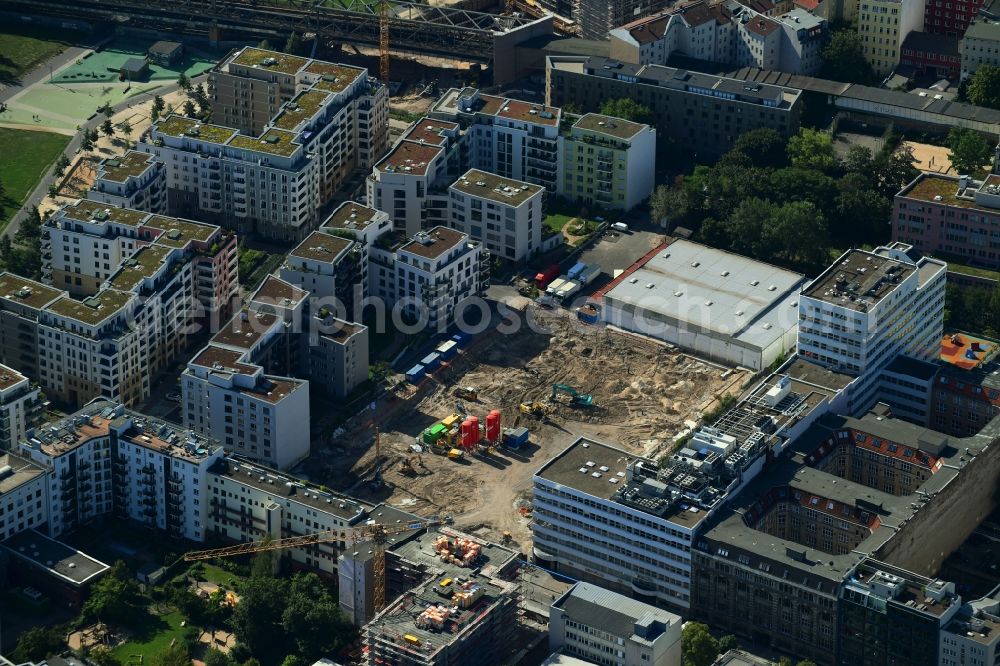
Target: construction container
[[447, 349], [493, 426], [451, 420], [455, 454], [415, 374], [431, 362], [461, 339], [515, 438], [434, 433], [576, 270], [470, 433], [411, 639]]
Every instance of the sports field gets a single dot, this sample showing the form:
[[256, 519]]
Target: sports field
[[102, 66], [25, 156]]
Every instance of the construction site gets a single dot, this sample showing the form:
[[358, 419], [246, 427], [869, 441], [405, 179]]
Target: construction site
[[467, 438]]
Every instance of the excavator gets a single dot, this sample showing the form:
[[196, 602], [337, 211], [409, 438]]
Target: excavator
[[535, 408], [576, 398]]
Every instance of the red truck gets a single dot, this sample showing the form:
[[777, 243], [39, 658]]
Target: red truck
[[543, 279]]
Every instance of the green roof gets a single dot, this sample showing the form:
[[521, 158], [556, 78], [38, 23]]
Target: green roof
[[94, 309], [179, 126], [132, 163], [301, 108], [27, 292], [270, 60], [334, 77], [143, 263], [85, 211], [178, 233], [275, 141]]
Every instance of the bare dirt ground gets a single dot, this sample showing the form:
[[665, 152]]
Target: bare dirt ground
[[642, 395], [930, 158]]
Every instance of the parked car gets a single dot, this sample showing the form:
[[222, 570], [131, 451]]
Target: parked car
[[174, 396]]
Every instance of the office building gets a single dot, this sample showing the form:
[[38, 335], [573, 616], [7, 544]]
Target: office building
[[883, 26], [287, 133], [699, 110], [24, 502], [717, 304], [105, 459], [951, 215], [599, 626], [22, 406], [867, 309], [972, 638], [134, 180], [744, 34], [979, 45]]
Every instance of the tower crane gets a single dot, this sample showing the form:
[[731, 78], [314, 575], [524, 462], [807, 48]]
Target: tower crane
[[375, 533], [383, 41]]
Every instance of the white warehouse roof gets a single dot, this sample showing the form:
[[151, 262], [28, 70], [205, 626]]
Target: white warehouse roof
[[713, 291]]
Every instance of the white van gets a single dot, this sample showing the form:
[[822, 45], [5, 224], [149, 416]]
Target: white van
[[619, 226]]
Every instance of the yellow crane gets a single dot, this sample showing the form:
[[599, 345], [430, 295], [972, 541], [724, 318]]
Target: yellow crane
[[375, 533], [383, 41]]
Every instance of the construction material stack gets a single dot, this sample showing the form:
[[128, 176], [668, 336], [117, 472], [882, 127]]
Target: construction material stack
[[461, 552]]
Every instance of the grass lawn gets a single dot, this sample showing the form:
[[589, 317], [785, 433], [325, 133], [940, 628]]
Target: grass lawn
[[151, 635], [972, 270], [556, 221], [25, 157], [219, 576], [24, 47]]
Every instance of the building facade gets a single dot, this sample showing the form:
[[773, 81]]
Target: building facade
[[883, 26], [22, 406], [979, 45], [134, 180], [24, 502], [950, 18]]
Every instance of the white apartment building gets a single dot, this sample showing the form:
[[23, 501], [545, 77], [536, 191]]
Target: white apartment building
[[23, 499], [592, 523], [333, 269], [725, 31], [134, 180], [882, 27], [980, 45], [604, 627], [503, 214], [867, 309], [361, 224], [323, 122], [337, 353], [430, 275], [972, 637], [21, 406], [400, 182]]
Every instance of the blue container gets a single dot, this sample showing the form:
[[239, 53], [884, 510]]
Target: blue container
[[588, 315], [448, 349], [574, 272], [431, 362], [415, 374], [515, 438], [461, 338]]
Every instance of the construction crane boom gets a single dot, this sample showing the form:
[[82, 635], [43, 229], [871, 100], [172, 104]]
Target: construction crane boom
[[383, 41]]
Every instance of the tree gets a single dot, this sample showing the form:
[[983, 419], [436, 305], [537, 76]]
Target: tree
[[92, 134], [37, 643], [727, 643], [668, 206], [158, 104], [968, 151], [86, 144], [807, 662], [291, 660], [183, 82], [796, 184], [107, 110], [102, 657], [215, 658], [797, 232], [843, 59], [626, 108], [107, 127], [257, 618], [154, 115], [174, 655], [984, 87], [264, 44], [293, 44], [62, 163], [126, 128], [764, 147], [312, 618], [862, 212], [189, 109], [812, 149], [115, 597], [698, 647], [53, 190]]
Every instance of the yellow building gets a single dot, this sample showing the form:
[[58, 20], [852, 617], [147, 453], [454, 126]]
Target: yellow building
[[882, 27]]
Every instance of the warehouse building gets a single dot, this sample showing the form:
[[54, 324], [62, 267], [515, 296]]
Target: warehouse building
[[717, 304]]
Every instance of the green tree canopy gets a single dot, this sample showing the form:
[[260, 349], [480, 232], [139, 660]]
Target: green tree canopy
[[293, 43], [698, 646], [214, 657], [843, 59], [764, 147], [257, 618], [37, 643], [668, 206], [115, 597], [183, 82], [627, 109], [968, 151], [984, 87], [173, 655], [812, 149]]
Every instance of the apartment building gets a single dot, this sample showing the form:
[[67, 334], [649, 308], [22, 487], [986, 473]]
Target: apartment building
[[692, 109], [23, 500], [288, 132], [504, 215], [331, 268], [979, 45], [956, 216], [931, 55], [400, 182], [134, 180], [364, 226], [600, 626], [22, 406], [867, 309], [105, 459], [972, 638], [883, 26], [608, 162], [745, 34], [85, 244], [962, 402], [21, 302], [950, 17], [427, 277], [595, 18]]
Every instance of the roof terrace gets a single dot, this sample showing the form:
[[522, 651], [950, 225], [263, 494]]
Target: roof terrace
[[129, 165], [274, 141], [179, 126], [144, 263], [273, 61], [300, 109], [94, 309]]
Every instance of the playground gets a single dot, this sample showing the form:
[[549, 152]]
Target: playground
[[967, 351]]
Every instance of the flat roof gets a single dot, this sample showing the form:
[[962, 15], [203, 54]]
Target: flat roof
[[300, 109], [94, 309], [540, 114], [615, 127], [118, 169], [223, 360], [178, 232], [433, 243], [495, 188], [612, 612], [22, 471], [811, 373], [857, 277], [929, 186], [275, 141], [245, 333], [169, 440], [141, 264], [409, 158], [319, 246], [714, 290], [350, 215], [9, 377], [96, 211], [334, 77], [54, 557], [178, 126], [420, 550], [278, 292], [27, 292], [430, 131], [272, 61]]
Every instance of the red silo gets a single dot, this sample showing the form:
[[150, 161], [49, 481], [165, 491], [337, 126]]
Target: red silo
[[493, 426]]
